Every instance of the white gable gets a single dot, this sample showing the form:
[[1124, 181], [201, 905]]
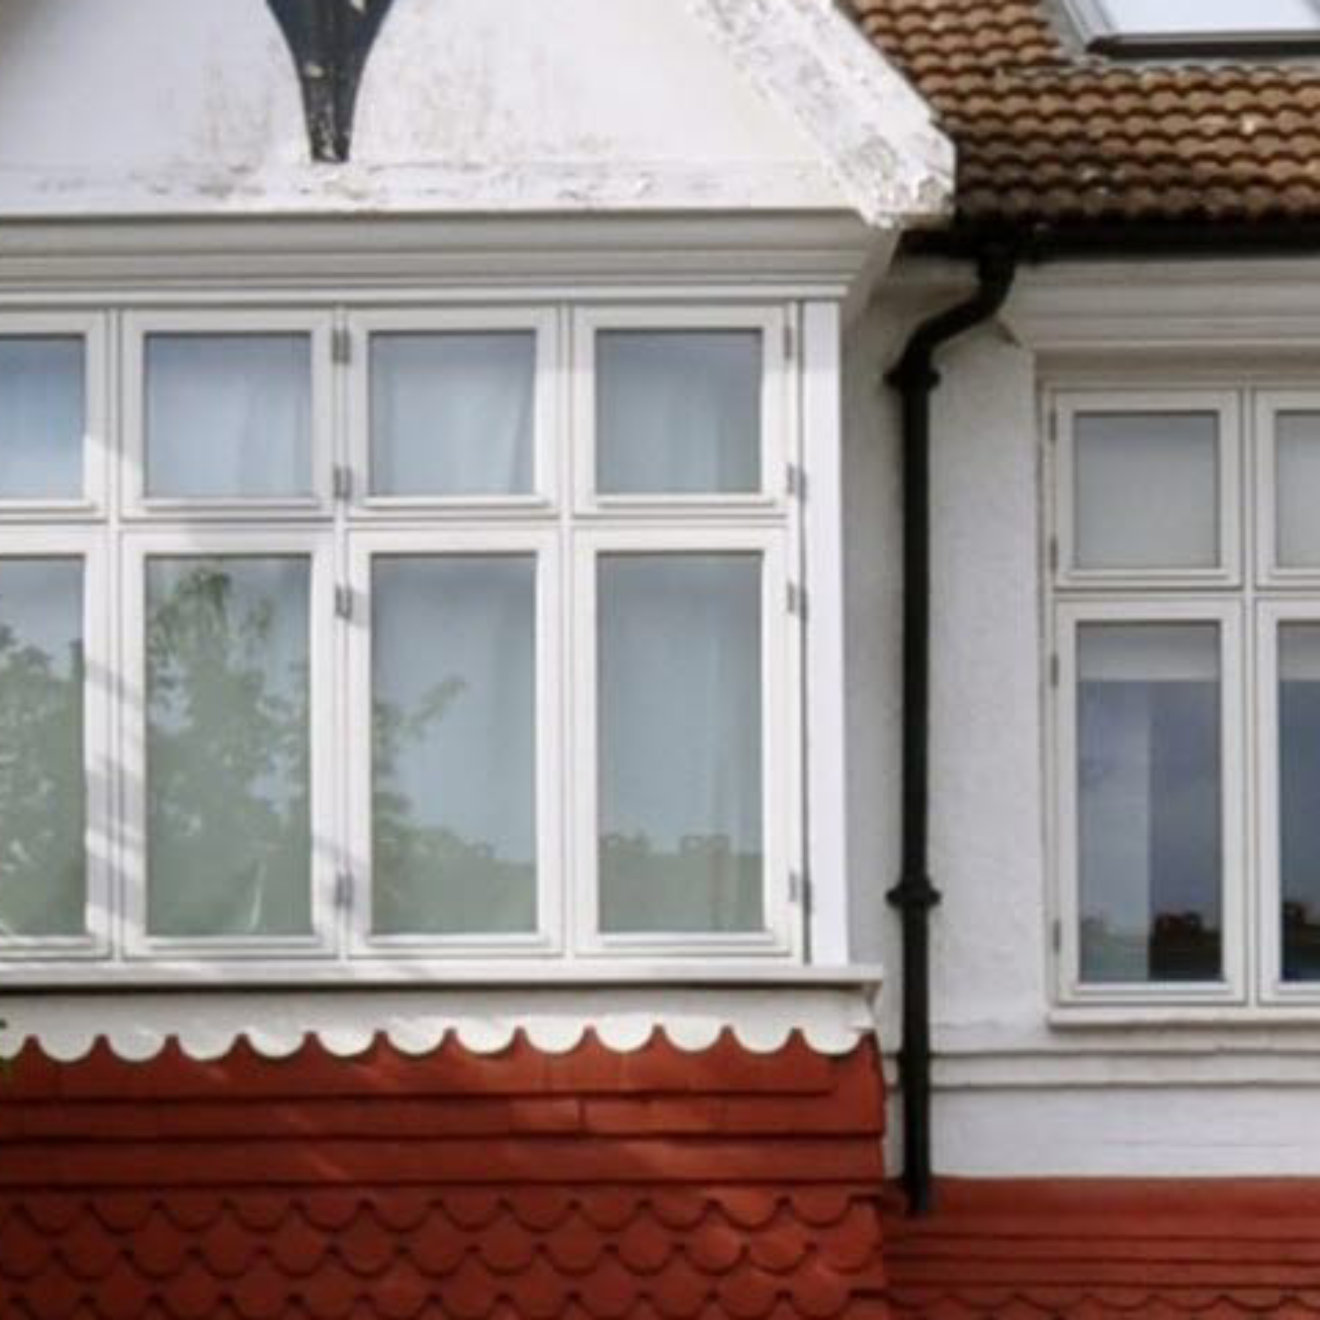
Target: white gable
[[167, 107]]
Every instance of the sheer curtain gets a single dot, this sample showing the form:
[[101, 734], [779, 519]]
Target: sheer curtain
[[1147, 490], [1149, 801], [454, 743], [1297, 483], [680, 742], [42, 418], [452, 414], [679, 411], [228, 415]]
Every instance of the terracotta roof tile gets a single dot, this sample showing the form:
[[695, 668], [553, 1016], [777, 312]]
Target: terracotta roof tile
[[1159, 142], [657, 1185], [1109, 1248]]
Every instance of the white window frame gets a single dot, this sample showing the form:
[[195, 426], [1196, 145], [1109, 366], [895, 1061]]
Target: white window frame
[[781, 742], [89, 546], [317, 546], [1068, 404], [542, 545], [1268, 404], [773, 325], [317, 325], [1069, 616], [806, 873], [91, 328], [548, 439]]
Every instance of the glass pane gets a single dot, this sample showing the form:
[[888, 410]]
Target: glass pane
[[1297, 487], [678, 411], [1150, 849], [1299, 799], [1199, 16], [1147, 490], [43, 864], [452, 414], [229, 416], [228, 777], [42, 418], [680, 742], [454, 745]]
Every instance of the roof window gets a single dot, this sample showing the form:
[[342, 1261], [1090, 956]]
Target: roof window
[[1225, 28]]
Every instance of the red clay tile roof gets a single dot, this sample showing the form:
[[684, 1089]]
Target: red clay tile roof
[[655, 1185], [1146, 1250], [1047, 134]]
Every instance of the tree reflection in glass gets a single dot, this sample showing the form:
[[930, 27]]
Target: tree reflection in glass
[[42, 786], [228, 769]]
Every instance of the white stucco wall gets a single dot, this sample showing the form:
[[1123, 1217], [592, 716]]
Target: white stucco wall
[[1018, 1092]]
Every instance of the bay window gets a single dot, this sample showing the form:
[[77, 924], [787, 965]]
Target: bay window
[[1185, 658], [379, 635]]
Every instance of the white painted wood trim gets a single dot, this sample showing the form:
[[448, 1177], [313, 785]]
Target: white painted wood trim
[[824, 673]]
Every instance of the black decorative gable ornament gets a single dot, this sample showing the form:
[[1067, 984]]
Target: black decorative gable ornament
[[330, 41]]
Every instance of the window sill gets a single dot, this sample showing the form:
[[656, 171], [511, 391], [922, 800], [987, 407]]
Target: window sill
[[1083, 1016]]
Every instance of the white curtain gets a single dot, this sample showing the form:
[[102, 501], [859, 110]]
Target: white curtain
[[454, 719], [679, 411], [452, 414], [1147, 490], [680, 742], [41, 418], [229, 415]]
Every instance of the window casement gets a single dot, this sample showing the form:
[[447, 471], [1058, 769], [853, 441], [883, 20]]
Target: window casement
[[1185, 661], [1206, 28], [399, 637]]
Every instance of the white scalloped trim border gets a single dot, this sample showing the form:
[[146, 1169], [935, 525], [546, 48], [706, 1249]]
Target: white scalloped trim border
[[276, 1023]]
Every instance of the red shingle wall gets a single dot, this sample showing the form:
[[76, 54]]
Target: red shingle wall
[[656, 1184], [1086, 1249]]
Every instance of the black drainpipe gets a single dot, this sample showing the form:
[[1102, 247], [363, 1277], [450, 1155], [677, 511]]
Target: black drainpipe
[[915, 379]]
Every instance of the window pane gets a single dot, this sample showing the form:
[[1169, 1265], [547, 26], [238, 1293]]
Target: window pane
[[1297, 486], [42, 418], [1149, 808], [1299, 799], [454, 737], [229, 416], [1147, 491], [452, 414], [680, 742], [228, 779], [1152, 16], [42, 783], [678, 411]]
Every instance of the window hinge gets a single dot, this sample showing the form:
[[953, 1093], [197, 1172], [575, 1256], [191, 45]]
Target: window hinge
[[343, 891], [790, 340], [799, 890], [341, 345], [1054, 554], [795, 481], [343, 482], [1053, 428], [1054, 670], [797, 600], [344, 602], [1056, 934]]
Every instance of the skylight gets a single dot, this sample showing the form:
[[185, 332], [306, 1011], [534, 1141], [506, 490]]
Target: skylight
[[1200, 27]]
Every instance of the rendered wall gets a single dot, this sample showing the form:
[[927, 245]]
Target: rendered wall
[[1014, 1093]]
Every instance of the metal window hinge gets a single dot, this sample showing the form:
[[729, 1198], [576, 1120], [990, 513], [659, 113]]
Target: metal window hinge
[[1054, 554], [1053, 428], [1056, 934], [341, 344], [790, 340], [344, 602], [343, 890], [797, 600], [795, 481], [343, 482], [1054, 670], [799, 890]]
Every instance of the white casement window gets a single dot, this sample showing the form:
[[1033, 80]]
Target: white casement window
[[399, 636], [1185, 665]]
